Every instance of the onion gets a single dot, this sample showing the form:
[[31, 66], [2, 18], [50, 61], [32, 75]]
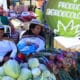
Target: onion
[[59, 64], [50, 64], [73, 63], [52, 57], [59, 58], [66, 62], [64, 53], [69, 54]]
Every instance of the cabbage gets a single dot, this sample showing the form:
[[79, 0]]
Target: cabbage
[[48, 77], [2, 73], [33, 63], [25, 74], [42, 67], [52, 77], [46, 74], [43, 78], [7, 78], [36, 72], [24, 65], [12, 68], [0, 77], [37, 78]]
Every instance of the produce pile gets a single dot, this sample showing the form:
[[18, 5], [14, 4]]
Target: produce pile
[[30, 70], [64, 64], [56, 65]]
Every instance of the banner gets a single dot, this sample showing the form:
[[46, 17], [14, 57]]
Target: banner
[[63, 16]]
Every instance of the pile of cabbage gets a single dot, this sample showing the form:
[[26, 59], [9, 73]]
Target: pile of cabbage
[[31, 70]]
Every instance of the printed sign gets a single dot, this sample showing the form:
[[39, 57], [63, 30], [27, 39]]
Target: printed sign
[[63, 16]]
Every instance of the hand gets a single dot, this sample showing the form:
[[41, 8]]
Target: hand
[[37, 46], [28, 43], [6, 58]]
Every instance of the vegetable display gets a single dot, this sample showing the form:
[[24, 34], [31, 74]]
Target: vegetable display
[[30, 70], [61, 65]]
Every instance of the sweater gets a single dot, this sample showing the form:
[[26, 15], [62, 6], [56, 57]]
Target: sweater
[[7, 46]]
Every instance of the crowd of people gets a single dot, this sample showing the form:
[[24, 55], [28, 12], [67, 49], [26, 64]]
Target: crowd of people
[[32, 40]]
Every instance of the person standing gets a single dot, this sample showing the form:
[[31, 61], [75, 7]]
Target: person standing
[[38, 10], [4, 20]]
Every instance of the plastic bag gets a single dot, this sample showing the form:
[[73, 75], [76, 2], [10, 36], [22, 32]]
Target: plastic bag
[[27, 49]]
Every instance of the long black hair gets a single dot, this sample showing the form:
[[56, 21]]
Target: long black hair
[[32, 26]]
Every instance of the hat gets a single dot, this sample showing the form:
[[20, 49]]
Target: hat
[[35, 21]]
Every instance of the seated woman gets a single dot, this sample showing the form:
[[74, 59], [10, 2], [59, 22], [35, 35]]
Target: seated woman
[[36, 28], [7, 48], [33, 40]]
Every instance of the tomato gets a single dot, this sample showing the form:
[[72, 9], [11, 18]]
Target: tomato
[[21, 56]]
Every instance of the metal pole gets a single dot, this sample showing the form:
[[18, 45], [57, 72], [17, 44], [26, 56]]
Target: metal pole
[[8, 3], [30, 5]]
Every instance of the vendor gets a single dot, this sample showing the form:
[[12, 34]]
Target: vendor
[[7, 48], [35, 28], [11, 12], [33, 38], [38, 10]]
